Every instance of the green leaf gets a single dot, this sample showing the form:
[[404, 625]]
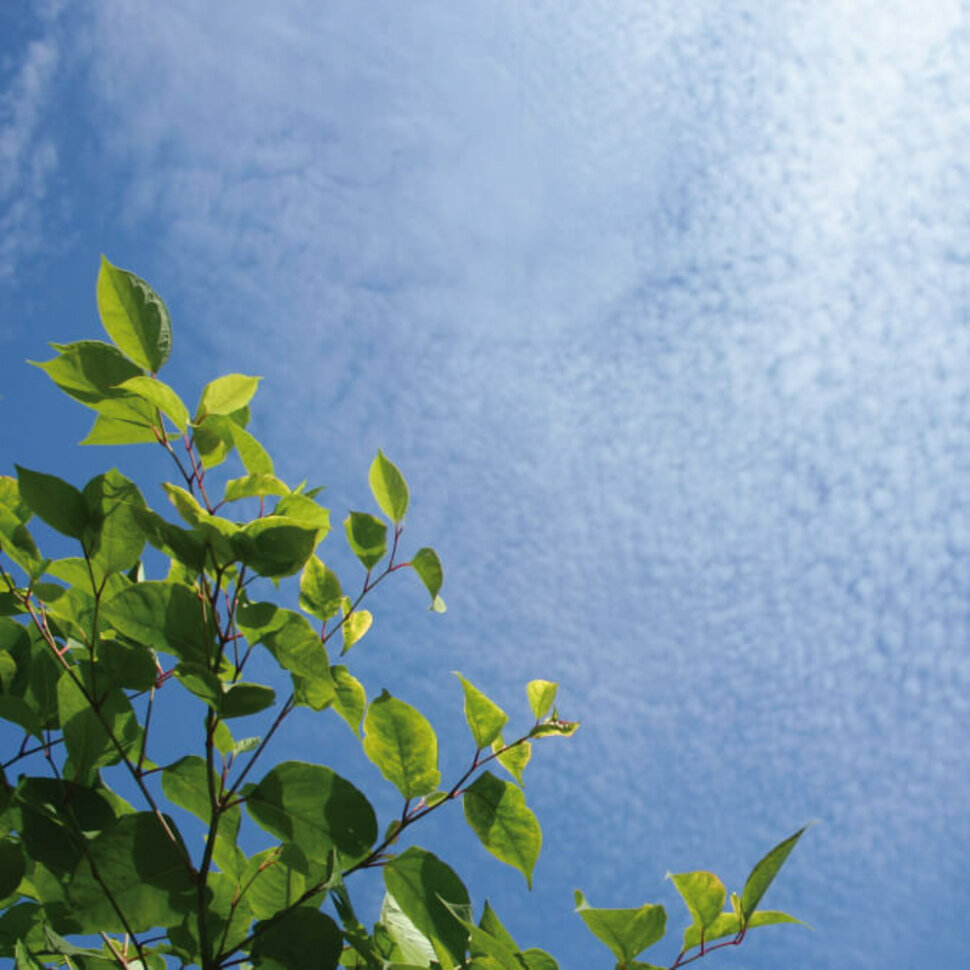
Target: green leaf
[[134, 316], [351, 700], [186, 784], [129, 665], [108, 430], [12, 866], [175, 542], [274, 547], [145, 872], [484, 947], [728, 924], [427, 565], [296, 647], [24, 959], [514, 759], [226, 394], [703, 893], [554, 728], [420, 882], [115, 539], [492, 925], [389, 488], [320, 593], [542, 695], [485, 718], [536, 959], [626, 932], [316, 809], [765, 871], [90, 371], [197, 679], [254, 485], [304, 939], [159, 395], [367, 536], [403, 745], [252, 454], [415, 947], [241, 700], [497, 812], [167, 616], [355, 626], [276, 879], [57, 502]]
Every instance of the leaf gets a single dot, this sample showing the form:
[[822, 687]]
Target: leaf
[[540, 960], [351, 700], [115, 539], [159, 395], [367, 536], [276, 879], [316, 809], [485, 718], [177, 543], [497, 812], [144, 871], [403, 745], [129, 665], [304, 939], [728, 924], [355, 626], [492, 925], [24, 959], [274, 547], [12, 866], [253, 485], [515, 758], [226, 394], [241, 700], [167, 616], [626, 932], [703, 893], [252, 454], [90, 371], [134, 316], [415, 947], [108, 430], [764, 873], [389, 488], [427, 565], [542, 695], [298, 649], [186, 784], [483, 946], [320, 593], [420, 884], [554, 728], [55, 501]]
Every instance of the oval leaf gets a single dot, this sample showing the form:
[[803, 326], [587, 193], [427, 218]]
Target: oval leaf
[[403, 745], [55, 501], [542, 695], [367, 536], [389, 488], [485, 718], [226, 394], [304, 939], [427, 565], [320, 592]]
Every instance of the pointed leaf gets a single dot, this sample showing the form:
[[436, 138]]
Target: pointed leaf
[[542, 695], [134, 316], [351, 700], [304, 939], [728, 924], [403, 745], [90, 371], [159, 395], [540, 960], [226, 394], [497, 812], [355, 626], [389, 488], [367, 536], [427, 565], [316, 809], [514, 759], [114, 537], [241, 700], [415, 947], [485, 718], [186, 784], [320, 593], [765, 871], [251, 486], [275, 547], [252, 454], [419, 881], [554, 728], [55, 501], [626, 932], [296, 647], [703, 893]]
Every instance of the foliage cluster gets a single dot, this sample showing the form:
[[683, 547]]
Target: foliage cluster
[[93, 868]]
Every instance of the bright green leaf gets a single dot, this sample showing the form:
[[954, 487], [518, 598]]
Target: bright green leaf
[[728, 924], [159, 395], [367, 536], [536, 959], [276, 879], [114, 538], [497, 812], [419, 882], [275, 547], [389, 488], [485, 718], [316, 809], [403, 745], [226, 394], [703, 893], [513, 759], [427, 565], [354, 627], [251, 486], [255, 458], [415, 947], [626, 932], [241, 700], [351, 700], [297, 648], [90, 371], [116, 431], [554, 728], [57, 502], [320, 593], [134, 316], [542, 695]]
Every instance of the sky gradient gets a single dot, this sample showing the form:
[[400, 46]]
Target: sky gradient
[[663, 311]]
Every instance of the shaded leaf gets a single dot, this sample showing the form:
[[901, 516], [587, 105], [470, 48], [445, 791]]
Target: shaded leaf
[[274, 547], [114, 537], [90, 371], [514, 759], [55, 501], [304, 939], [351, 700], [427, 565]]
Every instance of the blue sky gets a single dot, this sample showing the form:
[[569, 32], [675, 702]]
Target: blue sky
[[661, 308]]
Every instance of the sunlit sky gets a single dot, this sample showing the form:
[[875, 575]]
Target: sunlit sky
[[662, 309]]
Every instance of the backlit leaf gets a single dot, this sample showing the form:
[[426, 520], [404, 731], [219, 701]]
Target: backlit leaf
[[320, 593], [226, 394], [403, 745], [542, 695], [367, 536], [765, 871], [55, 501], [703, 893], [389, 488], [485, 718], [626, 932], [159, 395], [427, 565]]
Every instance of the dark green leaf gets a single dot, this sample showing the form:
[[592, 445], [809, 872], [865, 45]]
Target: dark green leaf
[[175, 542], [367, 536], [764, 873], [420, 882], [540, 960], [304, 939], [485, 718], [389, 488], [241, 700], [134, 316], [145, 870], [296, 647], [226, 394], [626, 932], [316, 809], [129, 665], [90, 371], [57, 502], [403, 745], [320, 593], [115, 539], [427, 565], [497, 812], [12, 866], [275, 547], [185, 784], [197, 679]]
